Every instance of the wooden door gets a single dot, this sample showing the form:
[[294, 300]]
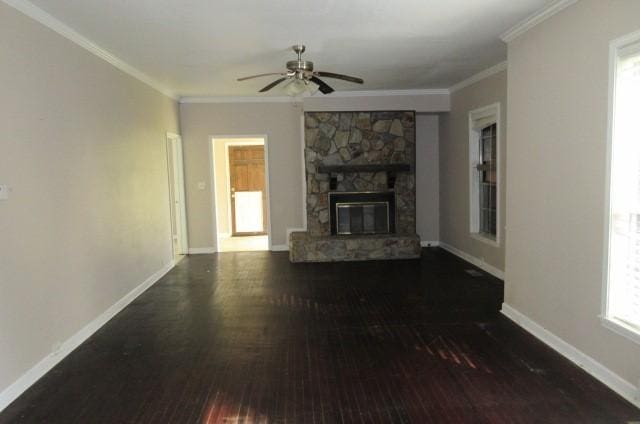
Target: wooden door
[[248, 190]]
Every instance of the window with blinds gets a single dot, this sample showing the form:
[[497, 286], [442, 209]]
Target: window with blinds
[[484, 125], [623, 283], [487, 180]]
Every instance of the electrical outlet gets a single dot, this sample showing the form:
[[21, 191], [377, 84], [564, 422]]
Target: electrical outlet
[[4, 192], [201, 185]]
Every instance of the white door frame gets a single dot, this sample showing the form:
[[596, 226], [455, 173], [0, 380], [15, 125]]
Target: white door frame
[[237, 141], [179, 240]]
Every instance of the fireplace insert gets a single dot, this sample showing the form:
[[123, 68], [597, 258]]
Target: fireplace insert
[[362, 213]]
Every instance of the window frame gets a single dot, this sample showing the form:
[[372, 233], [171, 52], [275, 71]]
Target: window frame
[[616, 47], [491, 115]]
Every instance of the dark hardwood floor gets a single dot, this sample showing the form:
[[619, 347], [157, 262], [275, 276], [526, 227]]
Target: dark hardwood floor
[[249, 337]]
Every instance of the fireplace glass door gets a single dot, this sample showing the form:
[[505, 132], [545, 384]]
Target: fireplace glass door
[[362, 218], [362, 213]]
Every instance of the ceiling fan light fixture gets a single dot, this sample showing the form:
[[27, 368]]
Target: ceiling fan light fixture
[[299, 87], [302, 78]]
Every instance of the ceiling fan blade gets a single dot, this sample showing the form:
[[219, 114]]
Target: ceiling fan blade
[[273, 84], [260, 75], [339, 76], [322, 86]]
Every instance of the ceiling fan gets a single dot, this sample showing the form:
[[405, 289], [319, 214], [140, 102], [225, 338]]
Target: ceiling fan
[[302, 72]]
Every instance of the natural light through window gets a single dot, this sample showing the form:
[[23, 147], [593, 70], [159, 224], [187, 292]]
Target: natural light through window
[[484, 181], [623, 284]]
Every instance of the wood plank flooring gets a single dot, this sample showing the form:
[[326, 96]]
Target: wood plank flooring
[[251, 338]]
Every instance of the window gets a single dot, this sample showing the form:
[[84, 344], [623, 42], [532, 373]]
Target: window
[[622, 285], [484, 125]]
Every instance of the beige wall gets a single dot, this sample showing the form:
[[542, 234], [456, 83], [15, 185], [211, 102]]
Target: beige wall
[[558, 89], [281, 123], [83, 152], [454, 168], [427, 178]]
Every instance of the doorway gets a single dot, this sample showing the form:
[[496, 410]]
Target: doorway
[[241, 193], [248, 190], [177, 209]]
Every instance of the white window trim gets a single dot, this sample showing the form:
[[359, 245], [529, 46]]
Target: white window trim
[[491, 112], [613, 324]]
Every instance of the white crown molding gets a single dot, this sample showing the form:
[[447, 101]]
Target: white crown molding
[[240, 99], [479, 76], [584, 361], [300, 99], [19, 386], [386, 93], [535, 19], [69, 33]]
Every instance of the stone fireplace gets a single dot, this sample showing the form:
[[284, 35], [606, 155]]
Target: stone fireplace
[[360, 176]]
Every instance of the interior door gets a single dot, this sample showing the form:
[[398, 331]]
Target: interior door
[[248, 190], [176, 195]]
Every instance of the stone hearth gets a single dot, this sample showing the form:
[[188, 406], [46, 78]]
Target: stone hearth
[[306, 248], [358, 152]]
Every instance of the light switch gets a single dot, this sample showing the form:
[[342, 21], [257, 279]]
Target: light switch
[[4, 192], [201, 185]]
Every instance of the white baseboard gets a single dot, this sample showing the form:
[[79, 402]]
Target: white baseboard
[[477, 262], [201, 250], [9, 394], [285, 247], [427, 243], [279, 248], [584, 361]]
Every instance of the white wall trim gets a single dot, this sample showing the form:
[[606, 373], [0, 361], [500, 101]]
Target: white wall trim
[[428, 243], [69, 33], [479, 77], [386, 93], [12, 392], [201, 250], [240, 99], [475, 261], [584, 361], [535, 19], [279, 248], [300, 99]]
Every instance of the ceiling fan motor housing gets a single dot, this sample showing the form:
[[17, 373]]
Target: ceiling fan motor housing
[[300, 65]]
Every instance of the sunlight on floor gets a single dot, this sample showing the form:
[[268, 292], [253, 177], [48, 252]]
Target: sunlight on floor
[[243, 244]]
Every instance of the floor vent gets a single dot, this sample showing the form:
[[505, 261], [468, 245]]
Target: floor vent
[[474, 272]]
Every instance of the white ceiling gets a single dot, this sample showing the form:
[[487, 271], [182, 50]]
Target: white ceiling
[[200, 47]]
